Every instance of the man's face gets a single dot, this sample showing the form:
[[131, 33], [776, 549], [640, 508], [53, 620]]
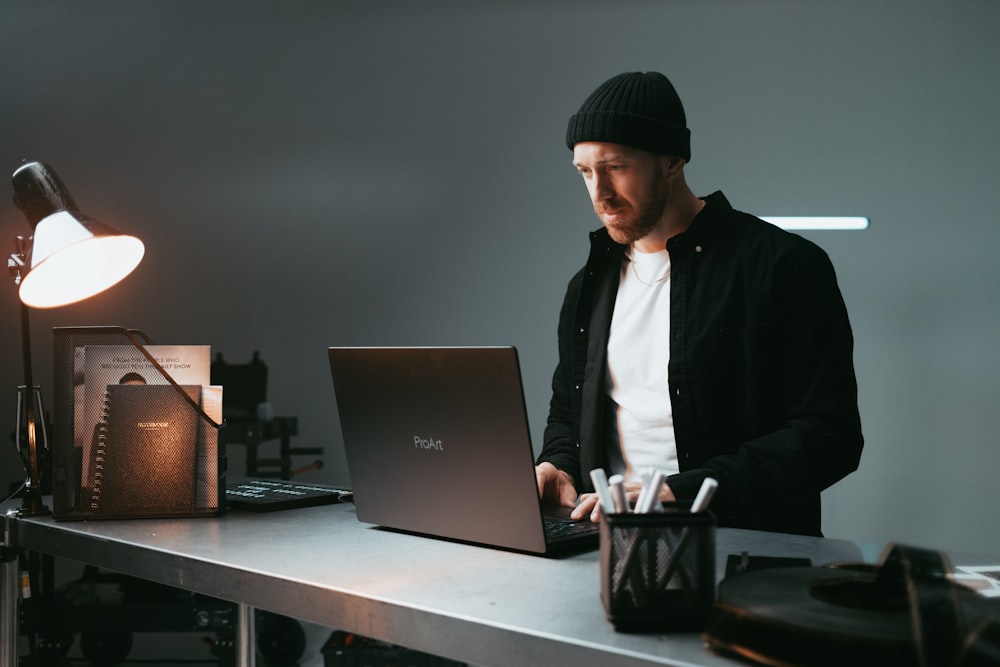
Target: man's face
[[626, 186]]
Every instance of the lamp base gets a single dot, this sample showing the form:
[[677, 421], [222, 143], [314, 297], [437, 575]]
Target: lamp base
[[31, 440], [33, 505]]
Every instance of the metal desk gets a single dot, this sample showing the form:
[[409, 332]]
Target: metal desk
[[476, 605]]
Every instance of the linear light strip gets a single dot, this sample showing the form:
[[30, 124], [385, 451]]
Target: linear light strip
[[817, 222]]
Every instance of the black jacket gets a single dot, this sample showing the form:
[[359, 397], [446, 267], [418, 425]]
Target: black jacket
[[761, 371]]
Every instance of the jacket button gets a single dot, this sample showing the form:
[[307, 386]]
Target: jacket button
[[697, 248]]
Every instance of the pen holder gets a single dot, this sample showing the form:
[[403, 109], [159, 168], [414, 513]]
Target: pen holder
[[658, 569]]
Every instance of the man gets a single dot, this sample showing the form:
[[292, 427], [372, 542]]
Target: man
[[697, 339]]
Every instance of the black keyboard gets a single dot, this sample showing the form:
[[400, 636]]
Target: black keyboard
[[562, 528], [269, 495]]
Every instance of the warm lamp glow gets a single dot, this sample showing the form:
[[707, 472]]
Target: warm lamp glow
[[72, 256], [69, 262]]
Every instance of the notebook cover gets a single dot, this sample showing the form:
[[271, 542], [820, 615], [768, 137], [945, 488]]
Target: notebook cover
[[146, 459]]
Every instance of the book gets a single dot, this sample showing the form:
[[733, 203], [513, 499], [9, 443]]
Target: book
[[107, 365], [145, 459]]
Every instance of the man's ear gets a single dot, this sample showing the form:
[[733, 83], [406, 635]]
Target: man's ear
[[672, 165]]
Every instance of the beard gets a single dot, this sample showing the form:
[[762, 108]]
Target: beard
[[635, 221]]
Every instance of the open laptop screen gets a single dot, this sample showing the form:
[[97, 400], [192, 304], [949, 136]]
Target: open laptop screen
[[437, 442]]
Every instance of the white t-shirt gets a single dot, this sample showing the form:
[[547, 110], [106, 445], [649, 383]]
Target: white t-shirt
[[638, 353]]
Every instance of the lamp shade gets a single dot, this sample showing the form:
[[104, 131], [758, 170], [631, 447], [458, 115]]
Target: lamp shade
[[72, 257]]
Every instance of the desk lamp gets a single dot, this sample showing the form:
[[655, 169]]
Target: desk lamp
[[68, 258]]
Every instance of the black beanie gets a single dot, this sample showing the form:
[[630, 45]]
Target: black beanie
[[635, 109]]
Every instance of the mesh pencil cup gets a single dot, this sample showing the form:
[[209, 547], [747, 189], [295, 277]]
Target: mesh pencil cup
[[658, 569]]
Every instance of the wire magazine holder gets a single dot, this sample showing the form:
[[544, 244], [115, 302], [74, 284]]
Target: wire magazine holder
[[152, 451]]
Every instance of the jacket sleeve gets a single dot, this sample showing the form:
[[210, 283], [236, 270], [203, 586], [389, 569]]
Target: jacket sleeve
[[799, 430], [561, 437]]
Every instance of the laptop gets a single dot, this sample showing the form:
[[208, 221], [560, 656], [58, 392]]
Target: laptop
[[437, 443]]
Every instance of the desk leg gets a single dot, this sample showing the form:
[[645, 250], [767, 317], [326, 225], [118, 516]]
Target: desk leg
[[9, 629], [246, 654]]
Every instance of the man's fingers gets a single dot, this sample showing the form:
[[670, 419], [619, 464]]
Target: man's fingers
[[587, 507]]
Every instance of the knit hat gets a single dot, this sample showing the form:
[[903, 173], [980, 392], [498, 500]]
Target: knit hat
[[635, 109]]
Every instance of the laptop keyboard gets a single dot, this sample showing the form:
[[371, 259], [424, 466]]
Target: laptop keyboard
[[556, 528]]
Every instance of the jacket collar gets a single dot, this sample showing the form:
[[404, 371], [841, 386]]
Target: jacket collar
[[702, 230], [707, 225]]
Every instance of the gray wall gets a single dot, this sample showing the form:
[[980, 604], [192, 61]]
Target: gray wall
[[318, 173]]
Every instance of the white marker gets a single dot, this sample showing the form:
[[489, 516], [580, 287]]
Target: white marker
[[617, 484], [704, 496], [600, 480], [646, 477], [651, 493]]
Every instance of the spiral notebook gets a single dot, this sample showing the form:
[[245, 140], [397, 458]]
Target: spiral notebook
[[146, 455]]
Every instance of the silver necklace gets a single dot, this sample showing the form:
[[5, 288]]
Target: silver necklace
[[658, 280]]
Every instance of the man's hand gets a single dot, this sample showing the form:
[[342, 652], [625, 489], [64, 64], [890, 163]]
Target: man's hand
[[589, 503], [555, 487]]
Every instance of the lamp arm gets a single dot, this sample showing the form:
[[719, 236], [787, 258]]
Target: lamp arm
[[30, 398], [29, 380], [15, 265], [137, 344], [133, 336]]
